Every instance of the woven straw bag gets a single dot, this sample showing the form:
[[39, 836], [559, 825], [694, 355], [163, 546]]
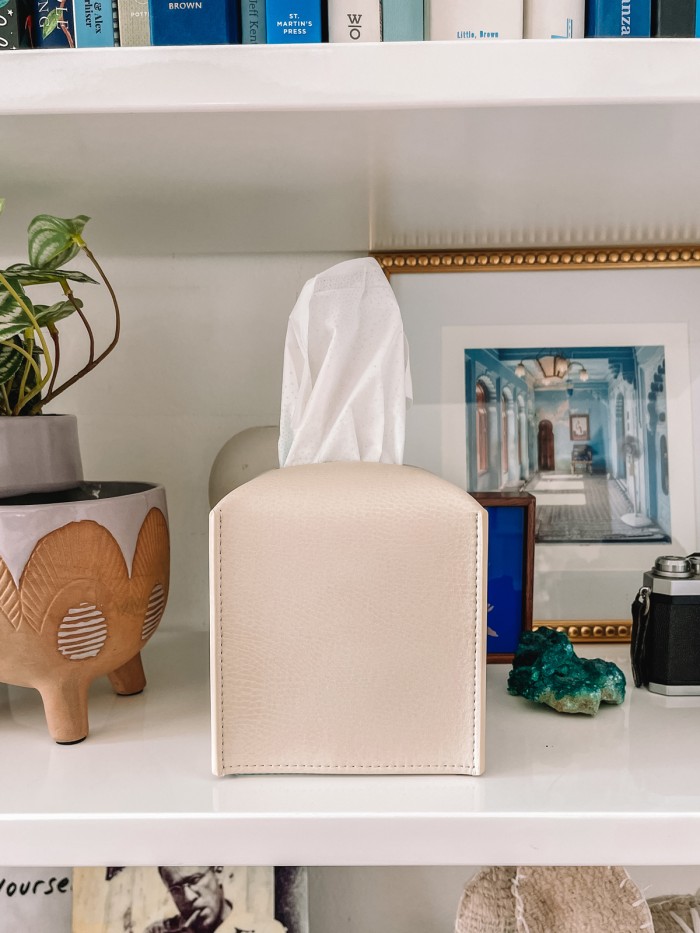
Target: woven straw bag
[[554, 900]]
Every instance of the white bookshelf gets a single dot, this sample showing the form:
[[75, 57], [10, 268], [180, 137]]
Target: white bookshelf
[[557, 789], [297, 149], [204, 164]]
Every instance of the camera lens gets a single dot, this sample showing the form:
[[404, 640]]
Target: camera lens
[[673, 567]]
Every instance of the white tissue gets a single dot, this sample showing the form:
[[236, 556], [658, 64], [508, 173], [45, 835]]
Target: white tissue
[[346, 379]]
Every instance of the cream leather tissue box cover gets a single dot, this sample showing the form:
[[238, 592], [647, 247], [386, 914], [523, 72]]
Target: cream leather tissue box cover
[[348, 623]]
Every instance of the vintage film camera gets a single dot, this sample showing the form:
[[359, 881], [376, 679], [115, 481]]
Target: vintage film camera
[[666, 628]]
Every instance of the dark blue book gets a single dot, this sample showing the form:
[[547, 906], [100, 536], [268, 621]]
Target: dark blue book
[[15, 22], [618, 19], [194, 22], [58, 18], [291, 21]]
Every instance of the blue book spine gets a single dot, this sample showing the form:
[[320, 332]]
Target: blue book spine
[[193, 22], [697, 19], [290, 21], [618, 19], [402, 20], [63, 37], [253, 25], [94, 23]]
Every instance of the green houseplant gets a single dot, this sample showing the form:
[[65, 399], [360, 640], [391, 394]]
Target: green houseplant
[[30, 347], [41, 453]]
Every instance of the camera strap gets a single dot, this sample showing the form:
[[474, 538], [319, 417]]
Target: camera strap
[[640, 626]]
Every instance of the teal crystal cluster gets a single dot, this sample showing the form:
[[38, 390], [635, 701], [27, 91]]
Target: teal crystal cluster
[[546, 670]]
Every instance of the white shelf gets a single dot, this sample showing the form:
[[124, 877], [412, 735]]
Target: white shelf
[[621, 788], [292, 149]]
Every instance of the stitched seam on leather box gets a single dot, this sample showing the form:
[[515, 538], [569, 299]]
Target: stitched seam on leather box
[[221, 640]]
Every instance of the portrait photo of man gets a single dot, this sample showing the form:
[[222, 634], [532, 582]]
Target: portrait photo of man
[[190, 899]]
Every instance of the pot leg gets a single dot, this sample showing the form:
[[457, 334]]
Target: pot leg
[[65, 706], [129, 679]]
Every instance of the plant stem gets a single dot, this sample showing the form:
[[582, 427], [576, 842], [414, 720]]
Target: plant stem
[[5, 400], [13, 346], [44, 346], [53, 331], [29, 344], [68, 292], [117, 330]]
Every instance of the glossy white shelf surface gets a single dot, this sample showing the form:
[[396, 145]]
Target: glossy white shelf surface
[[222, 149], [621, 788], [362, 77]]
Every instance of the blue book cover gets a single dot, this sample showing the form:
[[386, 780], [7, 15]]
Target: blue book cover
[[291, 21], [402, 20], [62, 36], [253, 26], [618, 19], [193, 22], [94, 23]]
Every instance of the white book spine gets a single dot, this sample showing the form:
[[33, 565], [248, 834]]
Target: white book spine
[[555, 19], [355, 20], [475, 19]]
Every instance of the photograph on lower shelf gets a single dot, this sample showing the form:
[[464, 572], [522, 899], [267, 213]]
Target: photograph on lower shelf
[[35, 900], [593, 418], [190, 899]]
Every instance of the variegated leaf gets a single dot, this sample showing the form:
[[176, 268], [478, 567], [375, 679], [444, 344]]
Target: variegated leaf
[[54, 240], [49, 314], [10, 362], [13, 319], [28, 275]]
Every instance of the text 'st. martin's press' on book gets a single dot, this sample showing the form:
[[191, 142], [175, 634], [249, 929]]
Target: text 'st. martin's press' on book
[[475, 19], [292, 21], [193, 22], [618, 19], [354, 20]]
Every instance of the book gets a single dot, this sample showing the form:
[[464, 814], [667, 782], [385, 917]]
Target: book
[[168, 900], [555, 19], [253, 26], [94, 23], [290, 21], [402, 21], [355, 20], [618, 19], [15, 24], [35, 900], [673, 18], [56, 15], [134, 22], [193, 22], [475, 19]]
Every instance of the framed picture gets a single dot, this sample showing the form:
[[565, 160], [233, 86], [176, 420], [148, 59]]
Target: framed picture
[[578, 383], [579, 428], [196, 899], [511, 565]]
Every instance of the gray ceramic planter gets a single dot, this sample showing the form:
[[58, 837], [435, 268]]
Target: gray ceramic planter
[[39, 453]]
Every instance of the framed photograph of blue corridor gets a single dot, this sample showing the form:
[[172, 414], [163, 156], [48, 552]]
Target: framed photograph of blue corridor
[[578, 386]]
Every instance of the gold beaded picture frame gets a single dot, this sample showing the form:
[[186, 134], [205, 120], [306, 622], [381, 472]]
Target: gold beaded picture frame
[[608, 342]]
